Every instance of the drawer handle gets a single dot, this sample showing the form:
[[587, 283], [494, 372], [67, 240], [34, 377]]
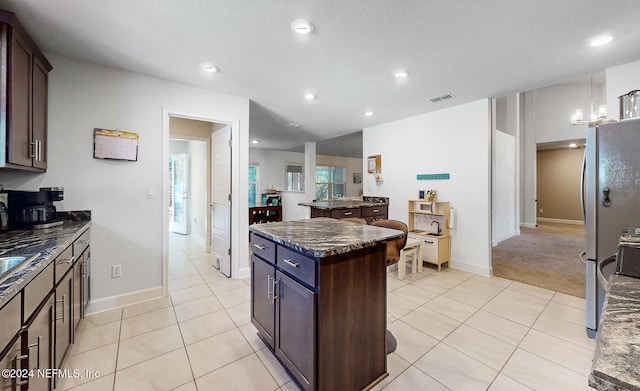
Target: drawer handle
[[427, 242], [259, 246], [348, 213], [70, 260], [376, 211], [291, 263]]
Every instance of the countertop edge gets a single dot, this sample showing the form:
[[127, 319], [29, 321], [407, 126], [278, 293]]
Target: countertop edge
[[355, 204], [43, 261]]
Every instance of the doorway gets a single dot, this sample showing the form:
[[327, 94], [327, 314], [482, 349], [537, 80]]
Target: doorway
[[194, 172]]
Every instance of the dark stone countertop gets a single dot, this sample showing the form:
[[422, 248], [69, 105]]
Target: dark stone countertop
[[48, 242], [343, 204], [616, 363], [323, 237]]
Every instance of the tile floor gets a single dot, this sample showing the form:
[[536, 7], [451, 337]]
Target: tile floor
[[455, 331]]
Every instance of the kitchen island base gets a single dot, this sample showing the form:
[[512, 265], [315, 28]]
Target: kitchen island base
[[324, 318]]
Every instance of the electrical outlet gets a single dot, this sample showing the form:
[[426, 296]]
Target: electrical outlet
[[116, 271]]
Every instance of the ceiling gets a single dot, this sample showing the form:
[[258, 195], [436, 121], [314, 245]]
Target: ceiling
[[472, 49]]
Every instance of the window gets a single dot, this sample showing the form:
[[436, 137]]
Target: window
[[253, 183], [330, 182], [295, 176]]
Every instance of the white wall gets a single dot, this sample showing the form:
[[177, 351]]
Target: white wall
[[621, 80], [555, 105], [504, 185], [127, 227], [455, 140]]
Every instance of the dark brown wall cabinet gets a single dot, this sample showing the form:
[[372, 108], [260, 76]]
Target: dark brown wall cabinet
[[23, 98]]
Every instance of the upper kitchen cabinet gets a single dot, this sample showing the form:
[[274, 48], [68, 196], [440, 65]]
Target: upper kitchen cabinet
[[23, 98]]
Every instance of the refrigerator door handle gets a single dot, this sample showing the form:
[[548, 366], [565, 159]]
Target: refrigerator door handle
[[583, 258], [602, 280]]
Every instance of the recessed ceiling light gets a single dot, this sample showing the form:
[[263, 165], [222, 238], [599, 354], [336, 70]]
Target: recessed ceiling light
[[310, 96], [600, 41], [368, 113], [401, 74], [210, 68], [302, 26], [293, 124], [255, 142]]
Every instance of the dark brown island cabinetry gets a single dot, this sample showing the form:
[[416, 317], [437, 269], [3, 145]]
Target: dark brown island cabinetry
[[339, 209], [23, 98], [322, 316]]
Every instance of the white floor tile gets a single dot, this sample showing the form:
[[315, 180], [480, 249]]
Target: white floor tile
[[456, 370], [542, 375], [504, 383], [146, 346], [512, 311], [228, 347], [569, 355], [249, 374], [206, 326], [468, 296], [430, 322], [563, 329], [414, 379], [451, 308], [395, 366], [497, 326], [481, 346], [412, 343], [415, 294], [164, 372]]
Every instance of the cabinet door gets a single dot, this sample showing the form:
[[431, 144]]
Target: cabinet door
[[430, 250], [12, 361], [76, 310], [40, 346], [262, 306], [63, 320], [39, 109], [19, 127], [296, 329]]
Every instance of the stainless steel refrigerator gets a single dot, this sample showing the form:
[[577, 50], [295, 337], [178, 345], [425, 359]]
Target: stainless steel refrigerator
[[611, 204]]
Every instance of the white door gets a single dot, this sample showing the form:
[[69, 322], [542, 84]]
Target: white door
[[179, 194], [221, 199]]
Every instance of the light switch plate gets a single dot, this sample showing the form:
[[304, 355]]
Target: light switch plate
[[151, 192]]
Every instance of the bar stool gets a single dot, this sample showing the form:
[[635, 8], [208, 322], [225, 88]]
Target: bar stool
[[412, 250]]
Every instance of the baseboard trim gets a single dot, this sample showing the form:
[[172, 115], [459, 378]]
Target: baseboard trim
[[472, 268], [560, 221], [117, 301], [199, 239], [242, 273], [528, 225], [495, 242]]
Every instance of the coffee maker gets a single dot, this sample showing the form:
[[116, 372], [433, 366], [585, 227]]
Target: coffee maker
[[33, 208]]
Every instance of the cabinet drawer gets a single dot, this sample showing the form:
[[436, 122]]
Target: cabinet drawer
[[297, 265], [342, 213], [37, 290], [374, 210], [264, 248], [63, 263], [10, 321], [80, 244]]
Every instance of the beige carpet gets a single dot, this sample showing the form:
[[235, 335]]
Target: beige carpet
[[546, 256]]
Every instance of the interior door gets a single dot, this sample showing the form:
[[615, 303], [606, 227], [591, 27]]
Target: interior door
[[221, 199], [179, 194]]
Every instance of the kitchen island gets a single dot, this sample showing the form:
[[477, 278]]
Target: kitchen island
[[318, 300], [369, 208], [616, 363]]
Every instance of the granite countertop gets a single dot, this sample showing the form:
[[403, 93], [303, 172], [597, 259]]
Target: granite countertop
[[347, 204], [323, 237], [616, 363], [47, 242]]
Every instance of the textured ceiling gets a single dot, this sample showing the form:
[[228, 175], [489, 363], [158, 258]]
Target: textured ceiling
[[473, 49]]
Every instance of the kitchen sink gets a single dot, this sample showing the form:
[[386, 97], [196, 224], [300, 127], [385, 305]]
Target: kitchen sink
[[10, 264]]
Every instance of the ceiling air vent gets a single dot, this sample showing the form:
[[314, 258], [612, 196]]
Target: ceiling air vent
[[438, 98]]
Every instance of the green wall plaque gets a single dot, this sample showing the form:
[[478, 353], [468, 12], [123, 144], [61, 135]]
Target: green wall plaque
[[428, 177]]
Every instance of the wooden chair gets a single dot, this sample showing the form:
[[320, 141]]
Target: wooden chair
[[394, 246], [358, 220]]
